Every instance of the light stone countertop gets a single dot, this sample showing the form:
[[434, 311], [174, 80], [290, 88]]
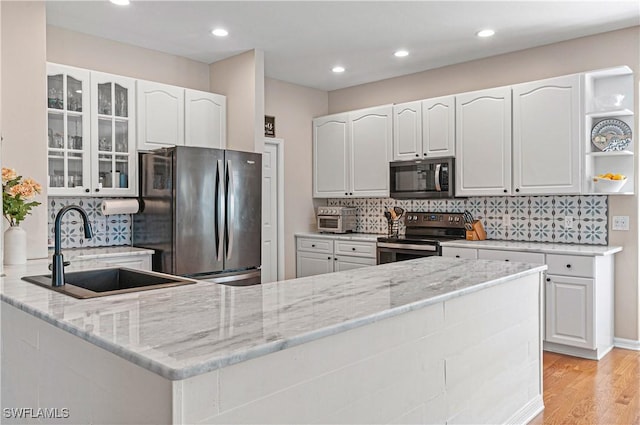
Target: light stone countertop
[[193, 329], [541, 247], [356, 237], [102, 252]]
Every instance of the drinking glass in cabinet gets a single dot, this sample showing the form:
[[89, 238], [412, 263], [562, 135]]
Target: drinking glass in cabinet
[[104, 135], [74, 94], [121, 136], [121, 101], [104, 99], [54, 91], [74, 130]]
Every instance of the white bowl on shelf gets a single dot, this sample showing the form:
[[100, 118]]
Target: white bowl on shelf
[[602, 185], [609, 102]]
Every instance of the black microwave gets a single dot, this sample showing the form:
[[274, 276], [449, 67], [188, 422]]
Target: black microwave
[[422, 178]]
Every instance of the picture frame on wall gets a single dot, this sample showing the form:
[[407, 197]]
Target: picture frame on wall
[[269, 126]]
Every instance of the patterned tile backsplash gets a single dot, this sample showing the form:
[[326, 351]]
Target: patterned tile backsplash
[[108, 230], [531, 218]]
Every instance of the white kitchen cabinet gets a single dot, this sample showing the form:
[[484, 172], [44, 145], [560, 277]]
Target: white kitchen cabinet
[[113, 122], [424, 129], [407, 131], [468, 253], [351, 153], [138, 261], [438, 127], [483, 142], [370, 153], [332, 254], [205, 118], [546, 136], [331, 140], [69, 130], [160, 115], [579, 305], [91, 133]]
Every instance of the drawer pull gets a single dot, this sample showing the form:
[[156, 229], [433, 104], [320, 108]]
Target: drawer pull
[[568, 266], [313, 245], [457, 256], [353, 249], [335, 259], [506, 259], [328, 258]]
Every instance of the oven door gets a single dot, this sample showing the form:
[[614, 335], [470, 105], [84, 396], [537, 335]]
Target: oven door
[[392, 252], [330, 223]]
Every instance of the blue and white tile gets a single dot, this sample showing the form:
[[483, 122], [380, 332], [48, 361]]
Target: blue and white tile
[[593, 207], [495, 206], [419, 205], [455, 205], [564, 235], [333, 202], [475, 206], [519, 207], [438, 206], [495, 229], [592, 233], [541, 231], [566, 206], [541, 207], [518, 231]]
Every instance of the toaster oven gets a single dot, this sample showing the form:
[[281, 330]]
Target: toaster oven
[[336, 219]]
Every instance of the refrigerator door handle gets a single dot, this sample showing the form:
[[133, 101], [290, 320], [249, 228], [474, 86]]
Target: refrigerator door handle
[[220, 201], [231, 207]]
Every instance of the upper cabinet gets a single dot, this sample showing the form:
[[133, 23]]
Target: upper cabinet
[[424, 129], [205, 119], [609, 115], [160, 115], [438, 127], [483, 142], [69, 132], [91, 128], [351, 153], [546, 136], [175, 116]]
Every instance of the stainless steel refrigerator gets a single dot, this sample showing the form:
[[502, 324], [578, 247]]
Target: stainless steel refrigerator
[[201, 213]]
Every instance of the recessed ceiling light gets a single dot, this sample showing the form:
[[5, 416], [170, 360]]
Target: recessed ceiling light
[[220, 32], [485, 33], [338, 69], [120, 2], [401, 53]]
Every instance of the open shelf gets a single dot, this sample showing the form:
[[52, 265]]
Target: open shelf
[[613, 113]]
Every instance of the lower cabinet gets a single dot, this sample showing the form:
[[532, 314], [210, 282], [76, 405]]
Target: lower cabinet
[[579, 298], [325, 255], [139, 262]]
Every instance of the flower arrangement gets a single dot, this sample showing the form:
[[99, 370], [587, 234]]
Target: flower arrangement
[[16, 192]]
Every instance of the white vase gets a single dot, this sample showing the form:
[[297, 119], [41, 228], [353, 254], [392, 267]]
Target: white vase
[[15, 245]]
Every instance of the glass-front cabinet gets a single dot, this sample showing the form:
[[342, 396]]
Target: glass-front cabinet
[[113, 161], [68, 133], [91, 144]]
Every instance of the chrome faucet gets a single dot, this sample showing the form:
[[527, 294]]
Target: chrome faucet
[[57, 266]]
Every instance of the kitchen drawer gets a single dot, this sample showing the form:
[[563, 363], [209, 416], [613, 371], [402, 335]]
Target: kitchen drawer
[[315, 245], [570, 265], [357, 249], [518, 256], [470, 253]]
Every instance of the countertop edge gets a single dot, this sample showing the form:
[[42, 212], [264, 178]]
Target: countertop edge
[[175, 374], [542, 250]]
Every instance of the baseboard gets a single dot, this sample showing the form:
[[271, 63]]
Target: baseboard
[[627, 344], [528, 411]]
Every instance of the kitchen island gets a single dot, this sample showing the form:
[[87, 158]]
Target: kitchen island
[[432, 340]]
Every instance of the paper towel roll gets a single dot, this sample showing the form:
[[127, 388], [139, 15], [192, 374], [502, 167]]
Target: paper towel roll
[[120, 206]]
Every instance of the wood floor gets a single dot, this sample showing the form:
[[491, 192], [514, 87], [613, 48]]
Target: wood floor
[[578, 391]]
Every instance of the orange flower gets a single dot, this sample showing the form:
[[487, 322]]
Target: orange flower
[[8, 174]]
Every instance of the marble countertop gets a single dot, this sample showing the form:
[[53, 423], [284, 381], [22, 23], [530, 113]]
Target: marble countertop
[[359, 237], [541, 247], [189, 330], [102, 252]]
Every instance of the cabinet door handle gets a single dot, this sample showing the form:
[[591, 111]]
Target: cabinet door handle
[[313, 245], [417, 155], [548, 279], [351, 193], [424, 154], [328, 258], [505, 190], [346, 193], [506, 259], [87, 190], [568, 266], [353, 249], [335, 259], [457, 256], [97, 190], [517, 190]]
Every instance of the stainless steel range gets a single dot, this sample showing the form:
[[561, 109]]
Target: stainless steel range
[[424, 232]]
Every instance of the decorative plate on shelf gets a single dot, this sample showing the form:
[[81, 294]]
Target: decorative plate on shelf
[[611, 135]]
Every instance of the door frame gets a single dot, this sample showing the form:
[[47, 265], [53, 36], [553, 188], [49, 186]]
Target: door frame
[[279, 145]]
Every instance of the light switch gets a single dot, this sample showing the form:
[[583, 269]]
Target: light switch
[[620, 222]]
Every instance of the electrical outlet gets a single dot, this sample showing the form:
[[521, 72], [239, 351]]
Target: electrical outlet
[[506, 220], [568, 222], [620, 222]]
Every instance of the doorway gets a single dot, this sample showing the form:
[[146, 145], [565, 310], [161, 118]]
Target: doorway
[[273, 210]]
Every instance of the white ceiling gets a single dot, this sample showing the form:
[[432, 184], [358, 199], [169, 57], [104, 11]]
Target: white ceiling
[[303, 40]]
